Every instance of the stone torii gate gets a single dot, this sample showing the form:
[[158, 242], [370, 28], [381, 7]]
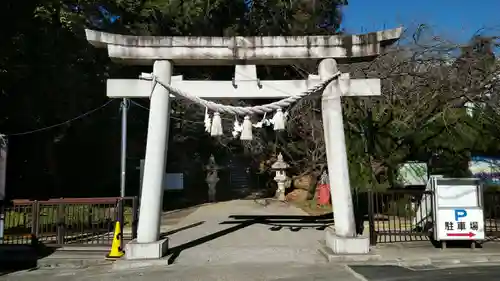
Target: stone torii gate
[[245, 52]]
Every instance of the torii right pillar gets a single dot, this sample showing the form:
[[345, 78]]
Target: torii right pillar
[[342, 238]]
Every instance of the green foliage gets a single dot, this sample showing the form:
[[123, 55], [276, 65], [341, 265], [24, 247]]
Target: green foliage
[[421, 115], [49, 74], [400, 207], [75, 217]]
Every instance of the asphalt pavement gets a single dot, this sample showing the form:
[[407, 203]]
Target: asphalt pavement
[[264, 272], [245, 241], [428, 273]]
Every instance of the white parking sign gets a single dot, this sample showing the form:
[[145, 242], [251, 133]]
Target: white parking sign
[[460, 224], [458, 210]]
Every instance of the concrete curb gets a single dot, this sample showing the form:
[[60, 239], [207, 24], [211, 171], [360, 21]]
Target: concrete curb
[[439, 261], [25, 256], [230, 255], [75, 258], [71, 263], [133, 264]]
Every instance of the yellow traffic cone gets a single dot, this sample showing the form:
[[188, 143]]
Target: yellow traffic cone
[[116, 247]]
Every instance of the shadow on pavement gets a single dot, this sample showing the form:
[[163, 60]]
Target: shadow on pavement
[[452, 244], [16, 257], [164, 235], [178, 200], [294, 223], [176, 251], [397, 273]]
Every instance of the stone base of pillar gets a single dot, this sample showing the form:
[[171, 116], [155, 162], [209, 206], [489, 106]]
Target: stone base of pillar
[[346, 245], [143, 251], [280, 195]]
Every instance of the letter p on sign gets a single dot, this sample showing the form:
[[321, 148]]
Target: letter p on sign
[[460, 214]]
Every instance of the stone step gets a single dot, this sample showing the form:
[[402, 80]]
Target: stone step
[[236, 255]]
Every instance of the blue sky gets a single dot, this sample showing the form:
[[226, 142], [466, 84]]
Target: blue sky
[[455, 20]]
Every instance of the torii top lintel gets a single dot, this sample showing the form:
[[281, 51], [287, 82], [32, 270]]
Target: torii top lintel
[[236, 50]]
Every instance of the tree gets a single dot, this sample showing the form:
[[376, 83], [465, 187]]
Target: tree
[[420, 116], [44, 46]]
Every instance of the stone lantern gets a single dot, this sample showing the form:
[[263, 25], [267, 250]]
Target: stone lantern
[[212, 178], [280, 167]]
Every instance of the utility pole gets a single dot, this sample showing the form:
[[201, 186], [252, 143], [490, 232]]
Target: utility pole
[[368, 141], [123, 169], [3, 176]]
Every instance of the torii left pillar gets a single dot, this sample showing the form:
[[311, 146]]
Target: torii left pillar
[[148, 245]]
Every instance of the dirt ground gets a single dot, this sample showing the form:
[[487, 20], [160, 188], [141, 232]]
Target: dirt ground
[[313, 209]]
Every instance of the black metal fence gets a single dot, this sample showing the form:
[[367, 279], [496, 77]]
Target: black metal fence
[[69, 221], [492, 214], [398, 215], [393, 216], [403, 215]]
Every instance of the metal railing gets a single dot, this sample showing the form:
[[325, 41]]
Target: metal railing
[[491, 201], [393, 215], [401, 215], [69, 221]]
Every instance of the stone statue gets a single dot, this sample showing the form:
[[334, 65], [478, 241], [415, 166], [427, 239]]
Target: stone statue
[[212, 178]]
